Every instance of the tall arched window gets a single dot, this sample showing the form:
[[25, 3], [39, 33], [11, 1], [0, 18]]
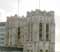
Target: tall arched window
[[46, 50], [28, 50], [41, 50], [31, 29], [18, 32], [40, 31], [47, 32]]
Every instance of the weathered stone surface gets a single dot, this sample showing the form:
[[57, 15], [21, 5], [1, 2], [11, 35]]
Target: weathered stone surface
[[29, 31]]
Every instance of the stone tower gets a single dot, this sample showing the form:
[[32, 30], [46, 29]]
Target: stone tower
[[41, 32], [33, 33]]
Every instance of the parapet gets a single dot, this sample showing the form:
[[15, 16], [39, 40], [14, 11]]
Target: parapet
[[40, 13]]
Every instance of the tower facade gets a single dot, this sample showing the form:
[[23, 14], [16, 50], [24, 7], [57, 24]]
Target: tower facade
[[33, 33], [41, 32]]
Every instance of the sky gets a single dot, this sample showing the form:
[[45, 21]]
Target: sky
[[10, 8]]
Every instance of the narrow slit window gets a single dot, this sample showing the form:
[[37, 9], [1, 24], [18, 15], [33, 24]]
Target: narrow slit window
[[18, 32], [46, 50], [41, 50], [47, 32], [40, 31]]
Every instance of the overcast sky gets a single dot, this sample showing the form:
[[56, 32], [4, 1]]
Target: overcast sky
[[9, 7]]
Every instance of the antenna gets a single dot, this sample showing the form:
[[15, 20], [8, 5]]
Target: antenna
[[39, 4], [18, 8]]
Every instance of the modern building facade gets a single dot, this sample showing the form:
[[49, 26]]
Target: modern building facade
[[2, 33], [4, 39], [33, 33]]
